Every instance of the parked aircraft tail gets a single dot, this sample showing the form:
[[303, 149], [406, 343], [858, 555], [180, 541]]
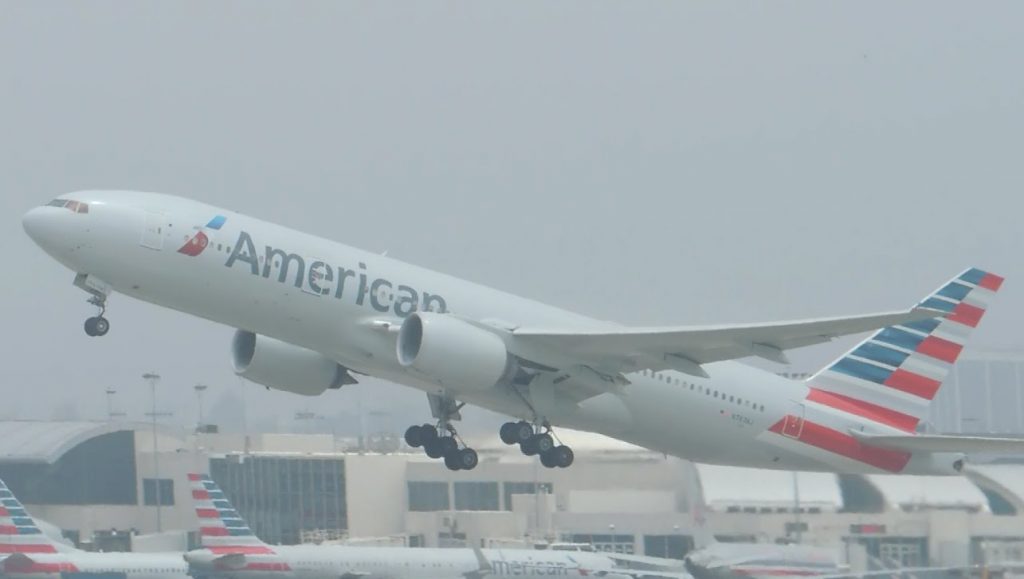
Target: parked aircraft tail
[[222, 531], [892, 377], [19, 533], [702, 536]]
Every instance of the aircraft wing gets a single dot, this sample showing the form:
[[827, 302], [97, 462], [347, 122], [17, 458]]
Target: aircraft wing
[[941, 443], [686, 348]]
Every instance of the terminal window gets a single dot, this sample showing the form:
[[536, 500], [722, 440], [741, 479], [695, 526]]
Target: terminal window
[[428, 496], [476, 496], [624, 544], [524, 488], [286, 499], [667, 546], [166, 491]]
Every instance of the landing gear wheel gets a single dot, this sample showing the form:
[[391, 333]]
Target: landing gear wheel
[[548, 459], [468, 459], [414, 436], [562, 456], [543, 443], [97, 326], [523, 431], [508, 433], [433, 448], [428, 432], [448, 445], [451, 460], [526, 447]]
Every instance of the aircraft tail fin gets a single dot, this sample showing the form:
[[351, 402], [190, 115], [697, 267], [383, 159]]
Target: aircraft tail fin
[[892, 377], [702, 536], [221, 529], [19, 533]]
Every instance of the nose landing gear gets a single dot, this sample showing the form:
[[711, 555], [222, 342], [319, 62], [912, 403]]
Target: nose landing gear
[[533, 442], [97, 325]]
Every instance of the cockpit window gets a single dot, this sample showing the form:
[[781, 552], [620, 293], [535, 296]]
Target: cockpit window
[[76, 206]]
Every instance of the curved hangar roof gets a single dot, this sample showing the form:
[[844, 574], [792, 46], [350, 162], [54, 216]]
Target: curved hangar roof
[[44, 442]]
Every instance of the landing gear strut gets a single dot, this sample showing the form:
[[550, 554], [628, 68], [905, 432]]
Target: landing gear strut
[[533, 441], [442, 440]]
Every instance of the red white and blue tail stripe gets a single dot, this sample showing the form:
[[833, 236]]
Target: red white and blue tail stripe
[[223, 531], [22, 542], [892, 377], [18, 532]]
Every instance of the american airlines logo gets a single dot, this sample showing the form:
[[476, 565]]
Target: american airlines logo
[[198, 242], [529, 568], [321, 278]]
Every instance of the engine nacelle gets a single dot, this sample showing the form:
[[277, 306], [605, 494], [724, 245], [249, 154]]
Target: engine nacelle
[[458, 355], [285, 366], [206, 560]]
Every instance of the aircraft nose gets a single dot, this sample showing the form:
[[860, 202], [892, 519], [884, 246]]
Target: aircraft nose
[[45, 226]]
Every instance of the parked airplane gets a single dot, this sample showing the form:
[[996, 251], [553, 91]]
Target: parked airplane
[[311, 313], [25, 551], [230, 550], [711, 559]]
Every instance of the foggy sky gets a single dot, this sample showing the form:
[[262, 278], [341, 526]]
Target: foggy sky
[[643, 162]]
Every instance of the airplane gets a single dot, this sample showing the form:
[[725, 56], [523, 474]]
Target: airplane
[[712, 559], [26, 552], [311, 315], [230, 550]]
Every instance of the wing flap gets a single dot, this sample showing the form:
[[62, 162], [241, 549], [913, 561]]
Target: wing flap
[[941, 443]]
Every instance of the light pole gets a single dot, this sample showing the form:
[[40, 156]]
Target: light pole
[[200, 389], [153, 379], [111, 413]]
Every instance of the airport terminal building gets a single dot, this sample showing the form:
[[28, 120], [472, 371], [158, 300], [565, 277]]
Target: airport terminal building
[[99, 482]]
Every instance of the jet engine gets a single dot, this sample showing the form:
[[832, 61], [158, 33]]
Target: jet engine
[[455, 353], [205, 560], [285, 366]]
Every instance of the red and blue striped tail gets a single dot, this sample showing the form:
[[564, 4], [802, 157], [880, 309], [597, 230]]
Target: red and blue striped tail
[[221, 529], [18, 532], [892, 377]]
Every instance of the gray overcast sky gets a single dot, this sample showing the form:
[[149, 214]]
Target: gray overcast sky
[[647, 162]]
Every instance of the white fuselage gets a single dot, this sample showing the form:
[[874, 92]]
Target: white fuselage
[[762, 560], [344, 295], [74, 563], [332, 562]]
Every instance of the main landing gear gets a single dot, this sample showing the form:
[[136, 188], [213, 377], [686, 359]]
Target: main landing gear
[[443, 442], [532, 441]]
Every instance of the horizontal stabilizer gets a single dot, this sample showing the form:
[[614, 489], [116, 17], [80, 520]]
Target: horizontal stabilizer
[[942, 443]]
